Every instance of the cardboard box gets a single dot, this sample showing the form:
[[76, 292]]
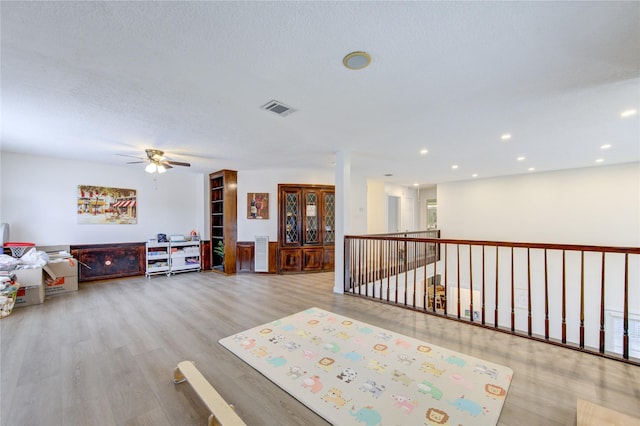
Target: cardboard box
[[62, 268], [61, 276], [29, 277], [28, 296], [60, 285]]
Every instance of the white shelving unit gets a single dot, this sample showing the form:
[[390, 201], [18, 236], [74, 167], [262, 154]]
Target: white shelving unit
[[173, 257], [158, 259], [185, 256]]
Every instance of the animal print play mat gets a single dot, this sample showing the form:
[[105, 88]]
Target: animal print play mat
[[352, 373]]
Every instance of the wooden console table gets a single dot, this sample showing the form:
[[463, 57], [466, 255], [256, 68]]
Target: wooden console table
[[107, 261]]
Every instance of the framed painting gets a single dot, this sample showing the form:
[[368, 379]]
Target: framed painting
[[101, 205], [257, 205]]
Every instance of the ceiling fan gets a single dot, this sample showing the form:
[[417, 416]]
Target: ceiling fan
[[157, 162]]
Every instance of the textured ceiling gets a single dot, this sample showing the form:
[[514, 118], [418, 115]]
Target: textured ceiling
[[91, 80]]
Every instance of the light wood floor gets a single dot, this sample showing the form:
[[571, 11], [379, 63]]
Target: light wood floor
[[105, 355]]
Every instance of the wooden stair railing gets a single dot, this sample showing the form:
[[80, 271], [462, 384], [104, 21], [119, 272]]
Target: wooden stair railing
[[565, 286]]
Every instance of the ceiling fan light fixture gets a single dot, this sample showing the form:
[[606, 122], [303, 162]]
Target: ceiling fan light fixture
[[161, 168], [151, 168], [357, 60]]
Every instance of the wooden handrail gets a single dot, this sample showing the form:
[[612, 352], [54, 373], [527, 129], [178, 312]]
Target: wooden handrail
[[550, 246]]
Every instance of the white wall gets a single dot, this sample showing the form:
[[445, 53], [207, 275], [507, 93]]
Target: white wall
[[359, 206], [39, 199], [376, 207], [592, 206], [39, 196]]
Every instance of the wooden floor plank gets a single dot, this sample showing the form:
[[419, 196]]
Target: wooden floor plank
[[590, 414], [105, 355]]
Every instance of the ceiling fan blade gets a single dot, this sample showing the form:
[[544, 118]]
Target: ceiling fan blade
[[178, 163], [131, 156], [135, 162]]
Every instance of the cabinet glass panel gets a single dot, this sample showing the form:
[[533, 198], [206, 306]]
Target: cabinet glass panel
[[311, 216], [329, 218], [291, 221]]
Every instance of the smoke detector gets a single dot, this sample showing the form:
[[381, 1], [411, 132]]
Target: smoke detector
[[278, 107]]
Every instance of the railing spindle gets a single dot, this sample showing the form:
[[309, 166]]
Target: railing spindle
[[445, 277], [495, 309], [415, 276], [470, 283], [458, 277], [483, 287], [378, 266], [396, 268], [546, 297], [602, 332], [529, 332], [513, 299], [625, 334], [582, 299], [425, 287], [564, 298], [360, 268], [388, 269]]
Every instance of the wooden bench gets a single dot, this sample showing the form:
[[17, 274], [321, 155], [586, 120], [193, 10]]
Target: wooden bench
[[222, 414]]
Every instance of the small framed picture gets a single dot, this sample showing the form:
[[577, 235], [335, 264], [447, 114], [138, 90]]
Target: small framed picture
[[257, 205]]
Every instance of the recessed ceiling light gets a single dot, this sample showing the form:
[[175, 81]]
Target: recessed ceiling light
[[423, 151], [628, 113], [600, 160], [505, 136], [455, 166], [474, 175], [606, 146], [531, 169], [357, 60], [521, 158], [416, 184]]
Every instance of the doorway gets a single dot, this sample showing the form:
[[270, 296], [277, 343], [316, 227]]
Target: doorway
[[393, 214]]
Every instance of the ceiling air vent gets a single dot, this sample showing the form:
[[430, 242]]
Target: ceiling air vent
[[278, 108]]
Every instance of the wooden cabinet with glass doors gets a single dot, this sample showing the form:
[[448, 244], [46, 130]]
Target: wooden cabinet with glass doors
[[306, 221]]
